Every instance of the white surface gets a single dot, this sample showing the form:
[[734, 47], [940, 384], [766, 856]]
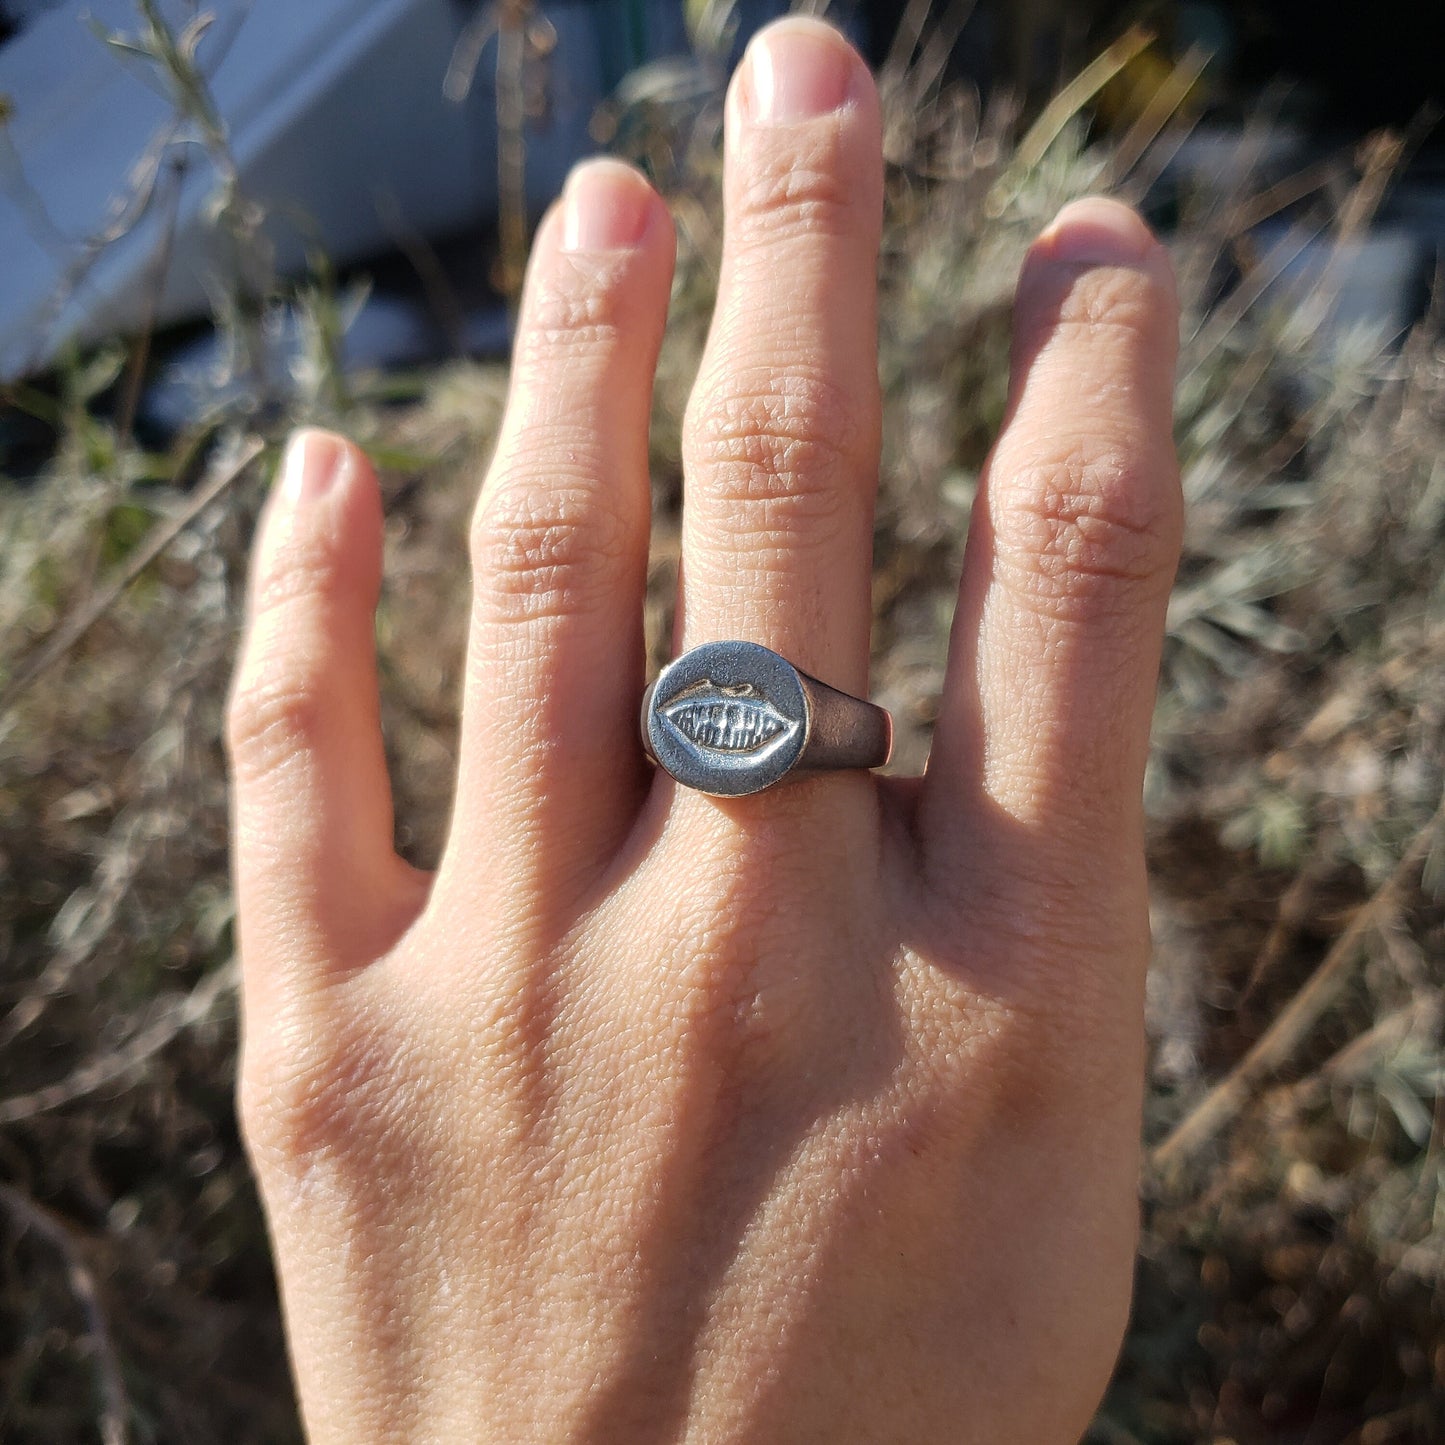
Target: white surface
[[337, 123], [1373, 282]]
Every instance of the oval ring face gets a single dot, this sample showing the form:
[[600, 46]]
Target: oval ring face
[[728, 718]]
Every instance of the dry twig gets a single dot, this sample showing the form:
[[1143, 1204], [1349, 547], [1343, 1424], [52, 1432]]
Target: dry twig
[[95, 1074], [1278, 1042], [162, 535], [115, 1405]]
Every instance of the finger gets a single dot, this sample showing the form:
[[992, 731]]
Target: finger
[[781, 436], [318, 881], [550, 771], [1071, 553]]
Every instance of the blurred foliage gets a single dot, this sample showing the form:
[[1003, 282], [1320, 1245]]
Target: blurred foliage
[[1292, 1266]]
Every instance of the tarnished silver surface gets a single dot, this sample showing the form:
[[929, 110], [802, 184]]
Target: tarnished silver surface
[[731, 718]]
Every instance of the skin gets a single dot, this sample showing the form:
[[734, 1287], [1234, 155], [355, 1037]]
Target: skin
[[809, 1116]]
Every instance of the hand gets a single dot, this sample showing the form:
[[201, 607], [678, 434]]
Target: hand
[[809, 1116]]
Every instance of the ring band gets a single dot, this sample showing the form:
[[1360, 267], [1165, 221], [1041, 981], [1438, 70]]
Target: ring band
[[732, 718]]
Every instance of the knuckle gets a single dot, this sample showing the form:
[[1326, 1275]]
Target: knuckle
[[289, 1110], [795, 193], [547, 550], [305, 570], [1107, 1071], [269, 1118], [279, 700], [574, 308], [733, 981], [1086, 529], [1120, 299], [274, 713], [1072, 926], [779, 445], [1037, 1030], [1099, 301], [299, 1104]]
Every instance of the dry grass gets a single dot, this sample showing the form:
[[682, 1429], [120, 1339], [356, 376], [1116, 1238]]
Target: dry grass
[[1293, 1265]]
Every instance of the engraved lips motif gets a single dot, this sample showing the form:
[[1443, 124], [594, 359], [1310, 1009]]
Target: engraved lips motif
[[727, 719]]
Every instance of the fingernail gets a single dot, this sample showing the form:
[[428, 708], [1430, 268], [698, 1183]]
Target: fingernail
[[1097, 232], [606, 207], [798, 69], [313, 462]]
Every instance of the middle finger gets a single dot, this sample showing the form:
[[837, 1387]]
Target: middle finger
[[781, 440]]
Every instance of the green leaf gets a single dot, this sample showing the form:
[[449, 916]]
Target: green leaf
[[126, 526]]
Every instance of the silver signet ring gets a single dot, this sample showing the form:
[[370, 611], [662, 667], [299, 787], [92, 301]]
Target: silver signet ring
[[731, 718]]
